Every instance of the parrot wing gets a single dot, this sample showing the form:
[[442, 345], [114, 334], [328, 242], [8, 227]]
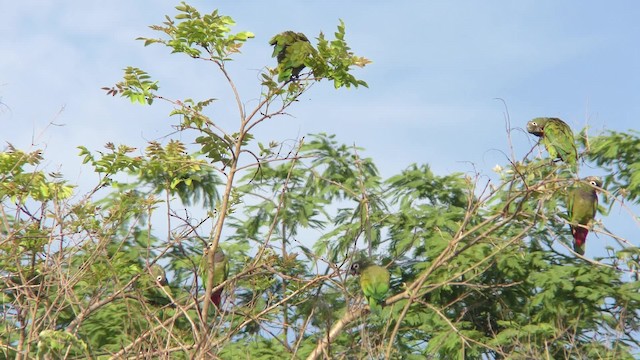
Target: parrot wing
[[220, 274], [375, 284], [559, 141]]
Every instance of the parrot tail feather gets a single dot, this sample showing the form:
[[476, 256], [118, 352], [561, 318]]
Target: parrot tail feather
[[579, 238], [216, 298], [375, 306]]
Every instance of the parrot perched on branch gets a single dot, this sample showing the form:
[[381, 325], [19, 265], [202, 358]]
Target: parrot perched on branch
[[557, 138], [148, 283], [159, 274], [291, 49], [581, 207], [220, 268], [374, 282]]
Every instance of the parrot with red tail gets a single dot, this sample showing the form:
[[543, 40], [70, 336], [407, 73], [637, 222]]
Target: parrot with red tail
[[581, 207], [220, 267]]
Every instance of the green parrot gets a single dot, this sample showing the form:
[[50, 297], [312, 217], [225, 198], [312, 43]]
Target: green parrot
[[220, 271], [557, 138], [581, 207], [374, 281], [148, 283], [291, 49], [159, 274]]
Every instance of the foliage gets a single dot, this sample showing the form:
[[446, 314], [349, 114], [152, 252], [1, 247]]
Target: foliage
[[618, 154], [479, 269]]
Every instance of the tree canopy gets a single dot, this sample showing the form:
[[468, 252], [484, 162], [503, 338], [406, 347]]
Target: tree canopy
[[481, 268]]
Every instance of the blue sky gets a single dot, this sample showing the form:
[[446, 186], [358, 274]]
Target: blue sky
[[438, 68]]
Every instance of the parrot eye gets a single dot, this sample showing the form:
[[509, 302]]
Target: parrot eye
[[209, 245], [159, 278]]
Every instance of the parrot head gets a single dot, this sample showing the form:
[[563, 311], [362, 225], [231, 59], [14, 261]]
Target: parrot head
[[356, 268], [217, 257], [159, 274], [536, 126], [161, 279], [594, 181]]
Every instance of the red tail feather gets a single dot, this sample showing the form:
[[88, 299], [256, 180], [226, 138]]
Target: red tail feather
[[579, 236], [216, 297]]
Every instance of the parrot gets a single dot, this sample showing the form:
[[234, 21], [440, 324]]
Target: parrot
[[220, 271], [291, 49], [557, 138], [374, 282], [147, 283], [582, 204], [159, 274]]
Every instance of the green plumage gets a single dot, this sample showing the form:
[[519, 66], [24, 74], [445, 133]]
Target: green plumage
[[582, 205], [291, 49], [557, 138], [220, 267], [374, 282]]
